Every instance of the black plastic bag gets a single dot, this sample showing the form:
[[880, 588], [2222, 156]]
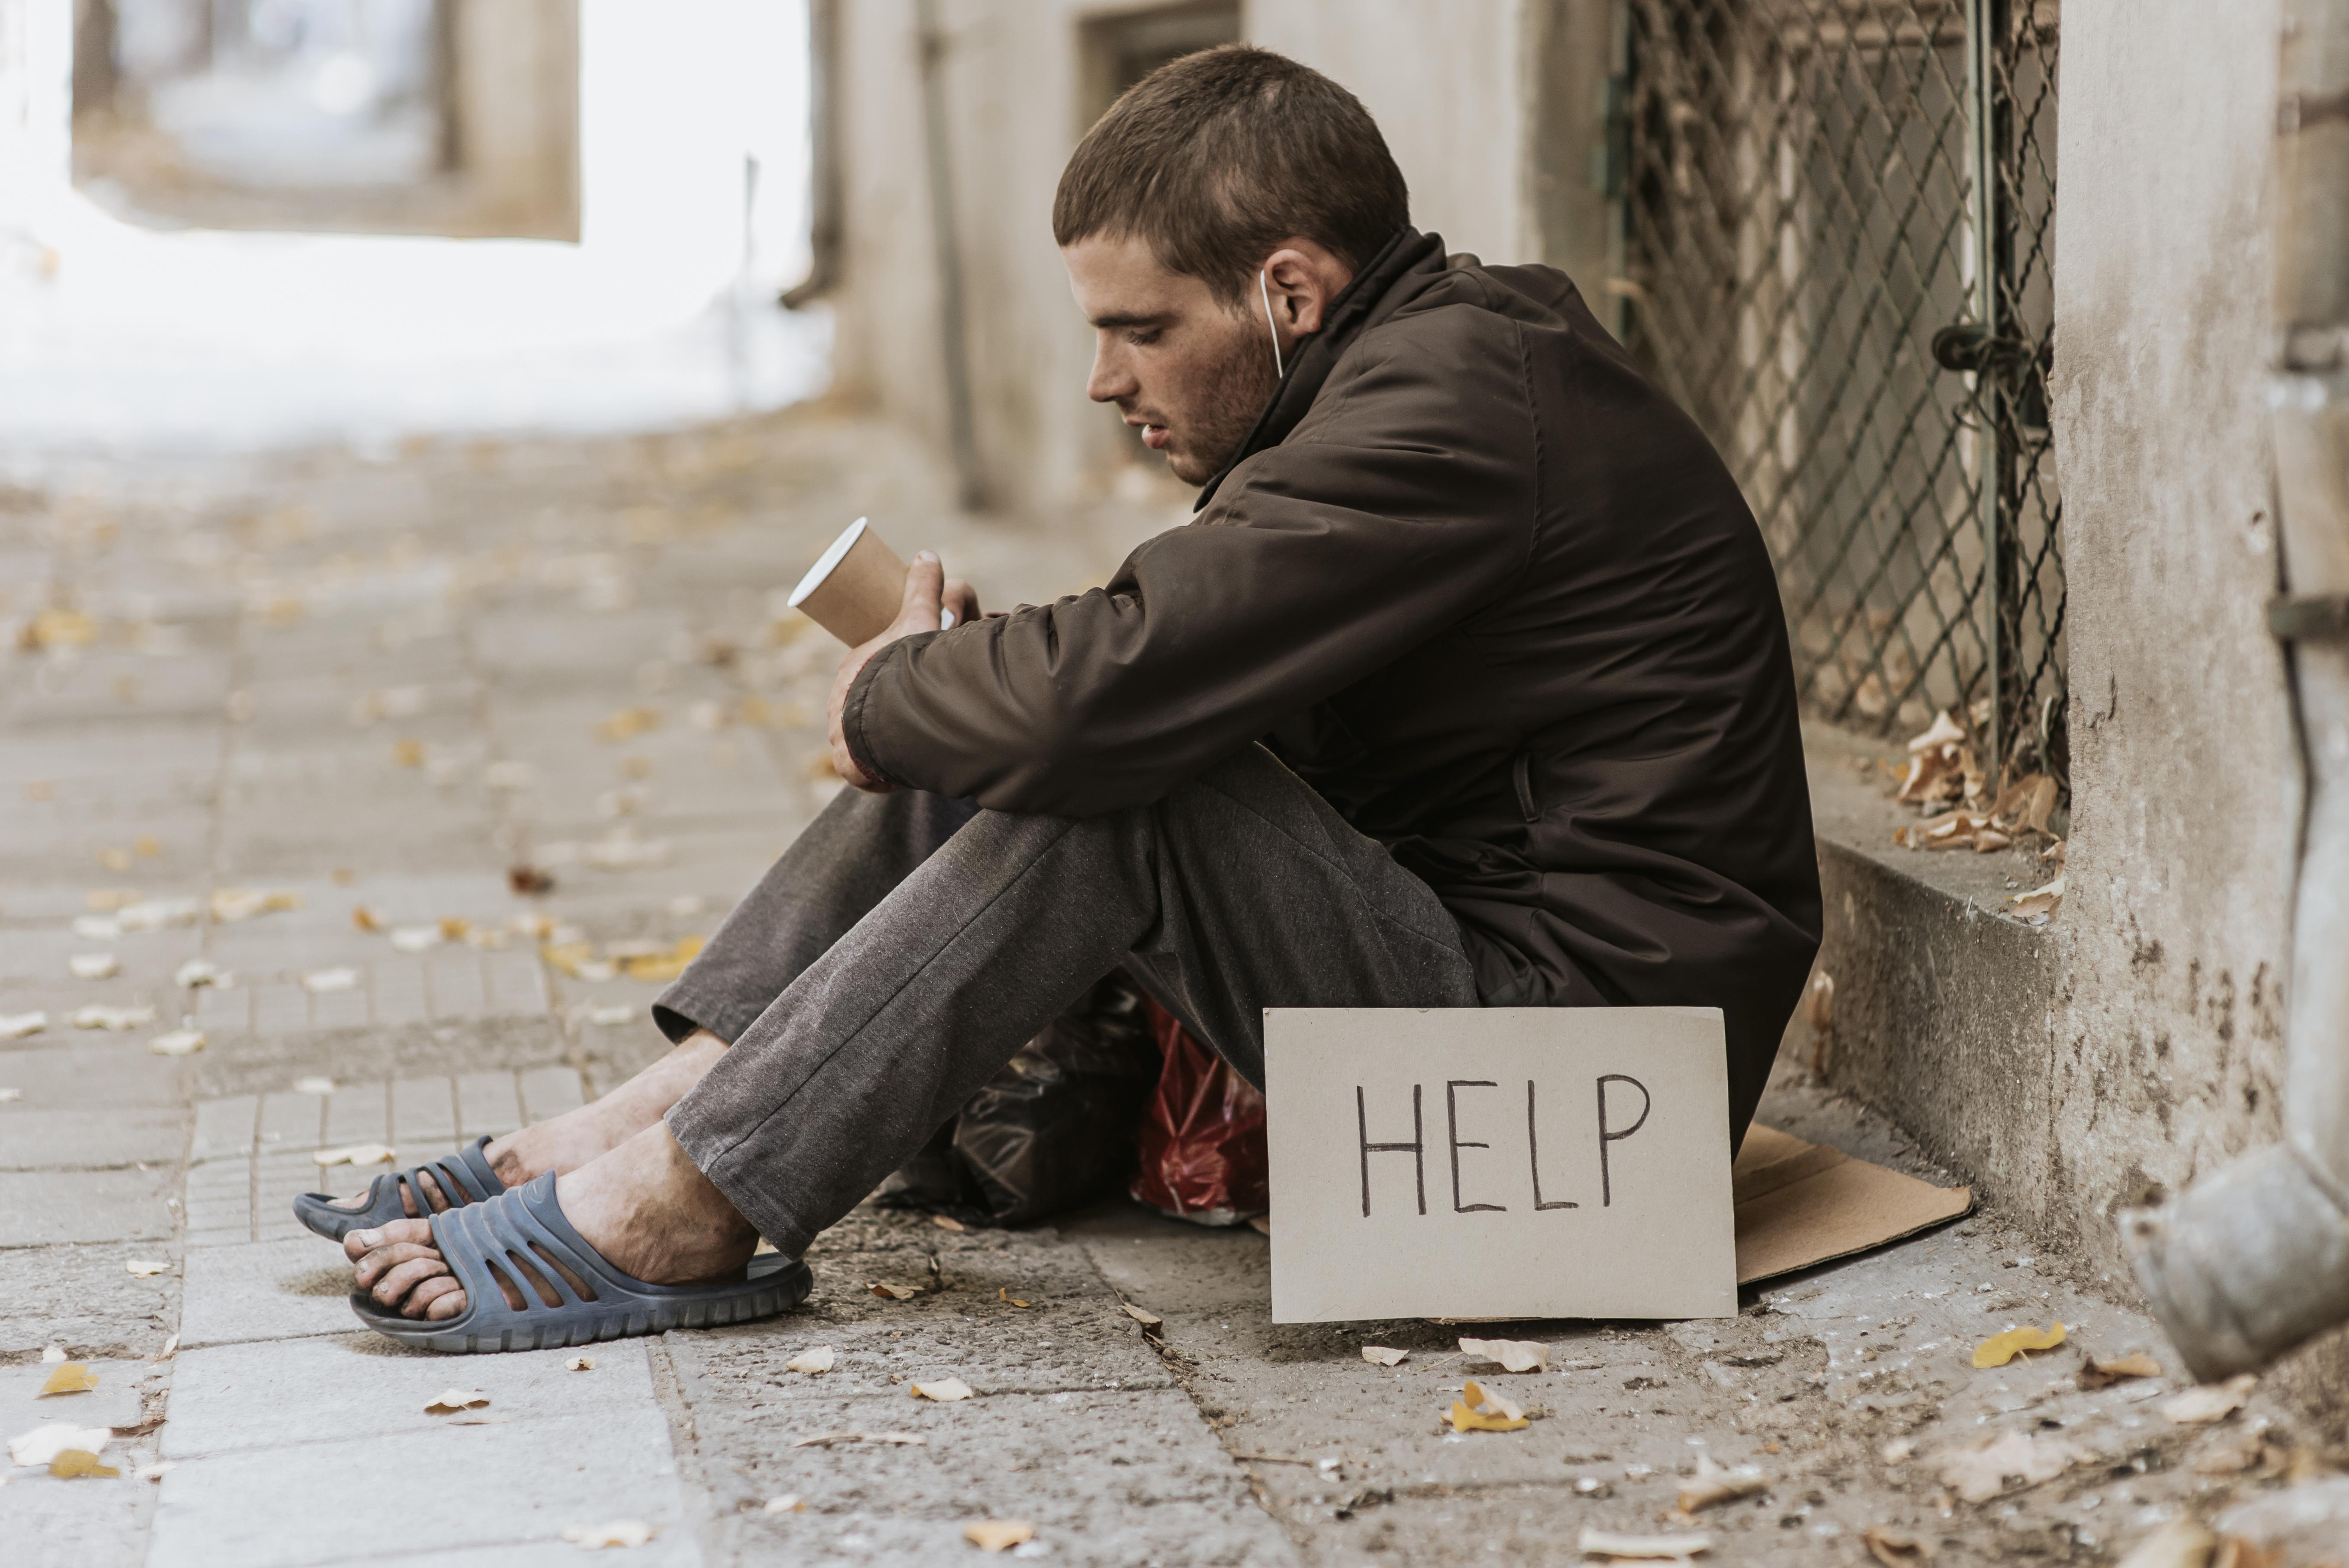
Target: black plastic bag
[[1052, 1130]]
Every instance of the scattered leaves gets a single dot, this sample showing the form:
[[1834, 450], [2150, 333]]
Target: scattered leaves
[[365, 919], [314, 1086], [627, 723], [16, 1025], [198, 971], [1380, 1355], [2097, 1374], [42, 1445], [814, 1363], [70, 1377], [230, 904], [948, 1223], [93, 965], [2180, 1543], [1716, 1483], [2210, 1402], [98, 1015], [1979, 1474], [72, 1462], [529, 882], [998, 1534], [52, 1354], [789, 1502], [619, 1532], [1004, 1295], [580, 1364], [8, 1095], [415, 938], [895, 1291], [449, 1401], [1510, 1355], [1616, 1544], [1480, 1410], [355, 1154], [945, 1391], [178, 1043], [2042, 900], [1147, 1319], [408, 754], [170, 1349], [662, 967], [2001, 1348], [146, 1268], [318, 981]]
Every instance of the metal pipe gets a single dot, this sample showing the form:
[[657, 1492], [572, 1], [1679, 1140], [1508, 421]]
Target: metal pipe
[[2254, 1259]]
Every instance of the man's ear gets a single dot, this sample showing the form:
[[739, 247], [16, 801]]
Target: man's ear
[[1303, 278]]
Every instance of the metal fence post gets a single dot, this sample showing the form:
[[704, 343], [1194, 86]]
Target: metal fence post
[[1983, 20]]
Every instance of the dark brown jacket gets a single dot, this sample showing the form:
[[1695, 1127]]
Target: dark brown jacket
[[1494, 596]]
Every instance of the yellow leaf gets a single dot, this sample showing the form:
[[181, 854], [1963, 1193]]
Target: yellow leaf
[[365, 919], [59, 629], [1005, 1295], [114, 860], [998, 1534], [945, 1390], [627, 723], [2001, 1348], [453, 927], [71, 1377], [81, 1462], [663, 966], [1477, 1410], [408, 753]]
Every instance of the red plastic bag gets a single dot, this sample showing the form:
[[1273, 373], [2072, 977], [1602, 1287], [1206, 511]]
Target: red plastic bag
[[1202, 1133]]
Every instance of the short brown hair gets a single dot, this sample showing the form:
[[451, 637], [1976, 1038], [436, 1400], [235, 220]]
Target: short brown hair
[[1216, 157]]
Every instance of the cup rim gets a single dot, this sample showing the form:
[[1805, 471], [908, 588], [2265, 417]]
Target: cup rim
[[833, 554]]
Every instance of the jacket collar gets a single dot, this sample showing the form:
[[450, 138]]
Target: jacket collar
[[1365, 300]]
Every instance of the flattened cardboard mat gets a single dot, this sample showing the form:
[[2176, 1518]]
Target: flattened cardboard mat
[[1801, 1205]]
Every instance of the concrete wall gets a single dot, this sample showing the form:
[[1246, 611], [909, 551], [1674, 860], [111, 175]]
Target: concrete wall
[[1449, 86], [2185, 772]]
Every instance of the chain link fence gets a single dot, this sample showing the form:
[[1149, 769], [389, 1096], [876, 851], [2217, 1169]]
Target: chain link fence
[[1837, 225]]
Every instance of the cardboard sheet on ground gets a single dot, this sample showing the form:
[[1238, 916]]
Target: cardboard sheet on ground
[[1800, 1203], [1499, 1162]]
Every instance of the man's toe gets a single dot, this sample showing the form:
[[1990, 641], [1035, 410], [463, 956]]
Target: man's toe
[[438, 1298], [359, 1243], [394, 1286], [383, 1259]]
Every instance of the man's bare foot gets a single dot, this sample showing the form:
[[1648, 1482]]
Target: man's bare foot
[[644, 1206], [565, 1142]]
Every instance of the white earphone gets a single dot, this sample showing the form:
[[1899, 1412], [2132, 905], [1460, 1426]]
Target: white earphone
[[1264, 291]]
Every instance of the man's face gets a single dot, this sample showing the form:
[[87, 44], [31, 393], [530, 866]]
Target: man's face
[[1191, 372]]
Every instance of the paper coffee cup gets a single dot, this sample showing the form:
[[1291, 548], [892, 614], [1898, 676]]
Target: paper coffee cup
[[855, 588]]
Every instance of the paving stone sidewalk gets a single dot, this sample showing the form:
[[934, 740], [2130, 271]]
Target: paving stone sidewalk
[[292, 749]]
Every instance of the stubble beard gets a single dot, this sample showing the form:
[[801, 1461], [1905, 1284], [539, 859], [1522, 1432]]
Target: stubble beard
[[1233, 391]]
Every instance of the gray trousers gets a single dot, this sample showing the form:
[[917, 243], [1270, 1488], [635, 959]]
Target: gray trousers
[[905, 947]]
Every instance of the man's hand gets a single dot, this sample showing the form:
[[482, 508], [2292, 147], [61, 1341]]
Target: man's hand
[[927, 595]]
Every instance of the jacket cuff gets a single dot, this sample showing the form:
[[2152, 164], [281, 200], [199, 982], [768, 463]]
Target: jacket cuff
[[853, 713]]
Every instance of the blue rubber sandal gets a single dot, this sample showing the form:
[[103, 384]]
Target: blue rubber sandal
[[464, 1177], [487, 1245]]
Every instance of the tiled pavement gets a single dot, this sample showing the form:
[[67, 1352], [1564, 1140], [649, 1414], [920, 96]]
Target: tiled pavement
[[296, 720]]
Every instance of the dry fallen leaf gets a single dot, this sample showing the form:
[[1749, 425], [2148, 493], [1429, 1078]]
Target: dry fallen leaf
[[1380, 1355], [2044, 900], [449, 1402], [1715, 1482], [354, 1154], [415, 938], [53, 1354], [619, 1532], [178, 1043], [1615, 1543], [1004, 1295], [945, 1390], [42, 1445], [1147, 1319], [70, 1377], [895, 1291], [998, 1534], [8, 1095], [314, 1086], [366, 919], [1512, 1355], [230, 904], [97, 1016], [2180, 1543], [93, 965], [789, 1502], [146, 1268], [2210, 1402], [814, 1362], [627, 723], [16, 1025], [1895, 1548], [2001, 1348], [662, 967], [829, 1440], [72, 1462], [1944, 731], [2096, 1374], [948, 1223], [201, 972], [408, 754], [1979, 1474], [580, 1364], [1480, 1410], [170, 1349], [155, 1472], [318, 981]]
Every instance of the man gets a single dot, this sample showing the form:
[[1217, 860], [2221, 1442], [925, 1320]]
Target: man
[[1468, 686]]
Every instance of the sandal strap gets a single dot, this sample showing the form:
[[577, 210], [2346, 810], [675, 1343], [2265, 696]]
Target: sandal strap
[[479, 1236], [464, 1178]]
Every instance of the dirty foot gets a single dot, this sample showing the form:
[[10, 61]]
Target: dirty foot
[[644, 1206], [565, 1142]]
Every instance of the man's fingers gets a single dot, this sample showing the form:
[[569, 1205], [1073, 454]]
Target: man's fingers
[[925, 582], [962, 599]]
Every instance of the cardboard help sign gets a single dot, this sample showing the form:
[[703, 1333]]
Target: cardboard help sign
[[1499, 1162]]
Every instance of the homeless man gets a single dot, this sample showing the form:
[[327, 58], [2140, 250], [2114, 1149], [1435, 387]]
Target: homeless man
[[1467, 686]]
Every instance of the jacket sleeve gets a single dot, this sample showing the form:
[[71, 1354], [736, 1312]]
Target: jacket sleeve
[[1401, 505]]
